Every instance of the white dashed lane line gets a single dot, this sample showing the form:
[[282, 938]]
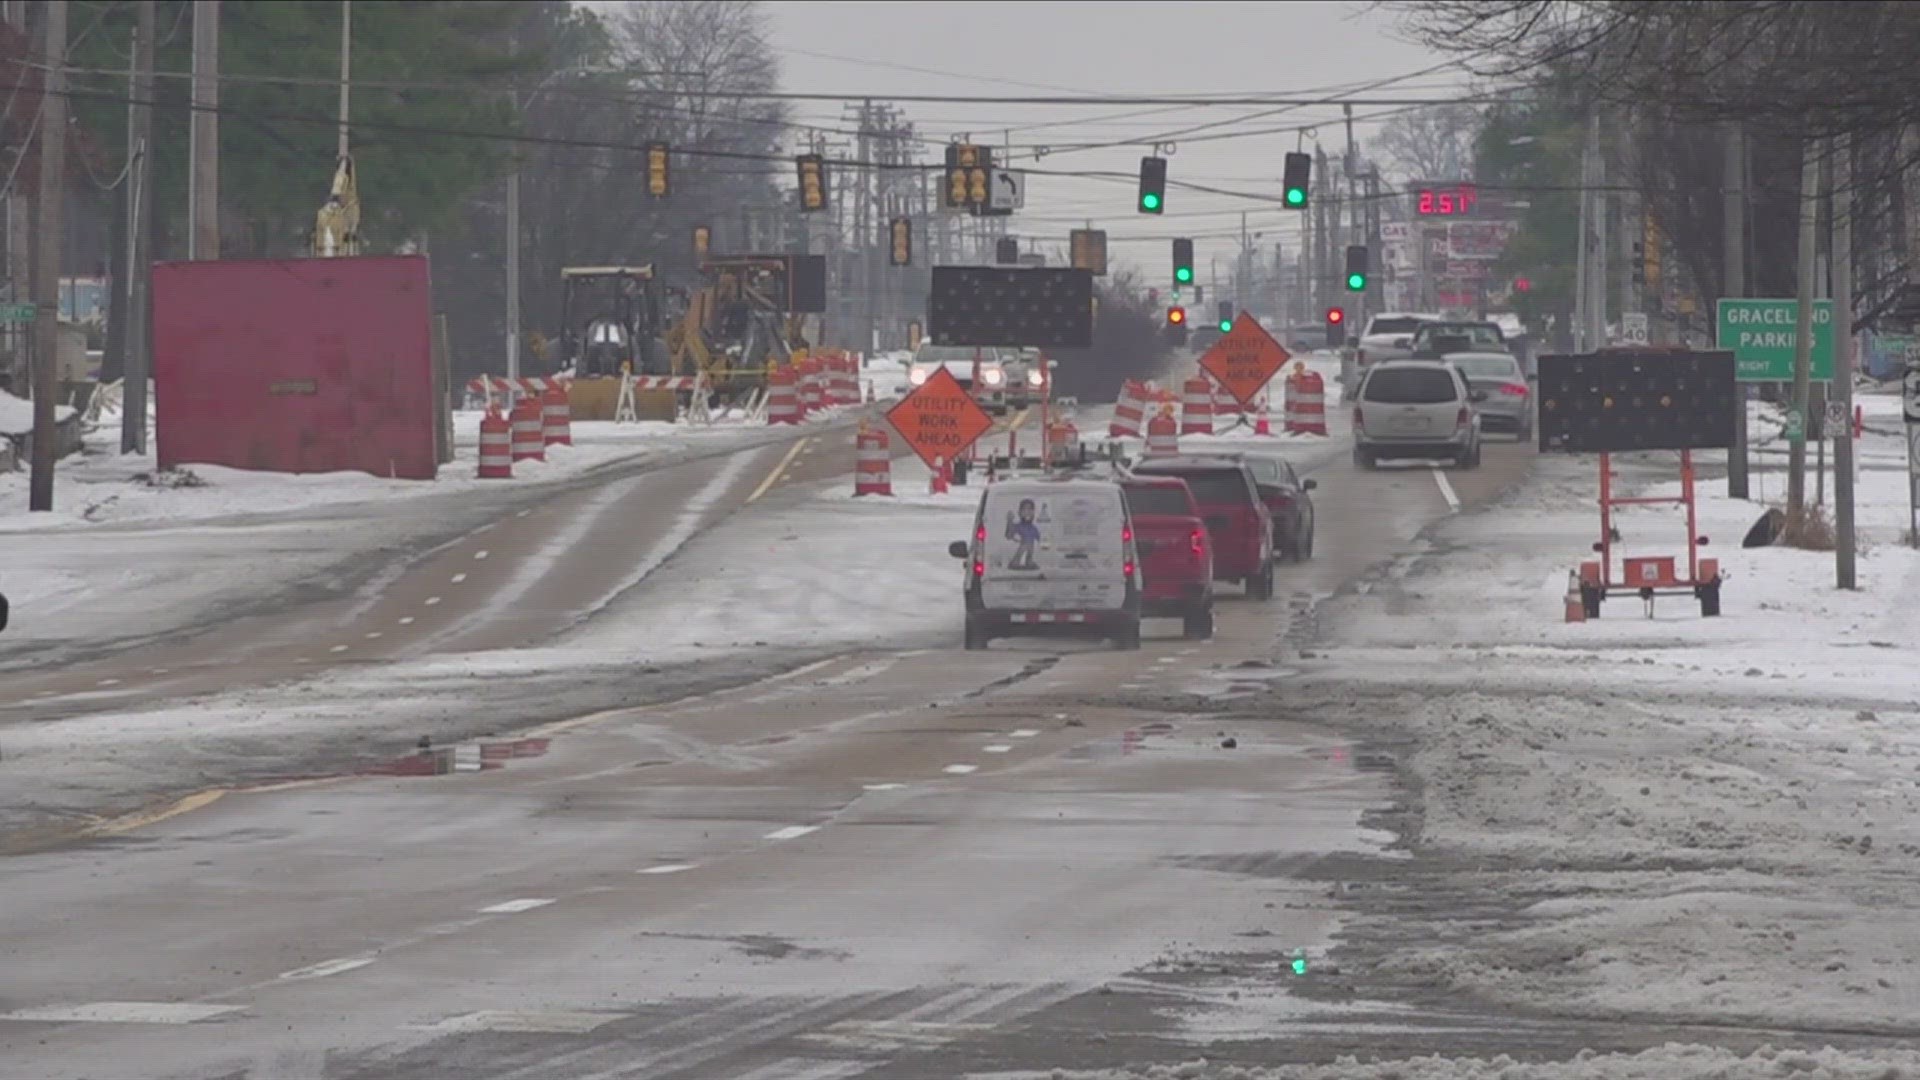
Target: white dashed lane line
[[514, 907], [667, 868], [1023, 733], [481, 554], [109, 682], [997, 748], [373, 634], [792, 832], [882, 787], [1446, 489], [432, 600], [960, 770], [327, 967], [406, 620], [338, 648], [458, 578]]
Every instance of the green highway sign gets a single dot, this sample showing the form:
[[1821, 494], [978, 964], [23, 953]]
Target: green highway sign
[[18, 313], [1761, 335]]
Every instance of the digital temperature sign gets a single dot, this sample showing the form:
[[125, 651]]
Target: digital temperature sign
[[1455, 200]]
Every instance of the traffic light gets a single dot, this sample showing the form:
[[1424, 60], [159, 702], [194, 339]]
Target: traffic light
[[702, 243], [966, 186], [1006, 251], [1153, 185], [1182, 261], [1522, 285], [1226, 316], [658, 180], [1357, 268], [902, 232], [813, 181], [1297, 172], [1336, 328], [1176, 316]]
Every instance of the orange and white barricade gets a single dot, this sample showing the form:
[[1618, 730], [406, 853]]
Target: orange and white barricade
[[1261, 426], [1196, 406], [528, 444], [1129, 413], [810, 378], [783, 397], [1163, 433], [1310, 403], [556, 418], [941, 481], [872, 462], [496, 447], [849, 382]]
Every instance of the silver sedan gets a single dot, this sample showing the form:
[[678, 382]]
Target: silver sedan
[[1507, 404]]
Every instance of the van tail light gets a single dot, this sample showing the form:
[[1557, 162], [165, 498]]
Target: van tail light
[[979, 569], [1513, 389], [1126, 534], [980, 533], [1465, 417], [1197, 543]]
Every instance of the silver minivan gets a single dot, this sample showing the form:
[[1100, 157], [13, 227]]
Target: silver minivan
[[1416, 409]]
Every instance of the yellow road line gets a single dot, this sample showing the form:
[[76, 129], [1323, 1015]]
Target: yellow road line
[[774, 476], [196, 801]]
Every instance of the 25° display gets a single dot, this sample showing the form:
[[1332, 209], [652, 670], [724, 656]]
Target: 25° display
[[1455, 201]]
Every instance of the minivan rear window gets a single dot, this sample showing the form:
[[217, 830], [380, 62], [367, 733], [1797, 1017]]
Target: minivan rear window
[[1410, 386], [1394, 326], [1161, 501], [1215, 486]]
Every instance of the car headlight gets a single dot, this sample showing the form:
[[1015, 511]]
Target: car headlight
[[1034, 379], [917, 376], [993, 376]]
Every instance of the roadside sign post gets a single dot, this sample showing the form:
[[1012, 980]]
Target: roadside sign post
[[1910, 407], [18, 314], [1760, 334]]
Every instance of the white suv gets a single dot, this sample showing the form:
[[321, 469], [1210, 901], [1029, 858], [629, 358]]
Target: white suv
[[1415, 409]]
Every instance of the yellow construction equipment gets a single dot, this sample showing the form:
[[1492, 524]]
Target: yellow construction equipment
[[336, 228]]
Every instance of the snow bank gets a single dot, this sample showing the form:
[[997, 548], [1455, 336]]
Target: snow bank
[[1699, 820], [16, 414], [106, 486], [1670, 1062]]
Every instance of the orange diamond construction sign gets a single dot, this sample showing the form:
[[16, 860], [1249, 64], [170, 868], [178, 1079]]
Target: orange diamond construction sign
[[939, 420], [1244, 359]]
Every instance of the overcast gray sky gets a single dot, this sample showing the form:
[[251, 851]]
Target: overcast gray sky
[[1306, 47]]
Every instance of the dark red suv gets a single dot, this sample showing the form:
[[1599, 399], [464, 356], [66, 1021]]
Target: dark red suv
[[1236, 518], [1176, 554]]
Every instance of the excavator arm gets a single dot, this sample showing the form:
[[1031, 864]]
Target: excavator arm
[[336, 228]]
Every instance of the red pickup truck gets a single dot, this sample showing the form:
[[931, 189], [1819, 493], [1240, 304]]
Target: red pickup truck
[[1237, 520], [1176, 554]]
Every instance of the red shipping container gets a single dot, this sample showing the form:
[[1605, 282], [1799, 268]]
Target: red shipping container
[[295, 365]]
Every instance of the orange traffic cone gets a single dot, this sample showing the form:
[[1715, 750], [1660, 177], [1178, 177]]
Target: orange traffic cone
[[942, 476]]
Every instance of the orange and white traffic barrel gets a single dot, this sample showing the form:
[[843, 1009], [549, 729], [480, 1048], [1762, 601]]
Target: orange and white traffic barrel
[[556, 417], [496, 447], [783, 398], [1163, 433], [528, 443], [872, 463], [1129, 413], [1261, 426], [1290, 402], [1196, 406], [939, 483], [811, 378], [1311, 403]]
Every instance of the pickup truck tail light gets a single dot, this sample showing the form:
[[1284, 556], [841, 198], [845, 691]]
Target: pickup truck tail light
[[1197, 543]]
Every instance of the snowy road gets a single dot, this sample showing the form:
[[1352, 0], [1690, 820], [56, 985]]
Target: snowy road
[[806, 875]]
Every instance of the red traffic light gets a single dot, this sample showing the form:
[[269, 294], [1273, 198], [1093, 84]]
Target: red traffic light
[[1335, 315], [1176, 316], [1521, 285]]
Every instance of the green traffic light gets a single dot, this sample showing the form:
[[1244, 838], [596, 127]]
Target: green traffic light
[[1150, 201], [1226, 326], [1356, 282], [1296, 197], [1183, 274]]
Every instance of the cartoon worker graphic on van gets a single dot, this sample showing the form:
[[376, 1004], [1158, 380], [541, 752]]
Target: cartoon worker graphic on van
[[1025, 532]]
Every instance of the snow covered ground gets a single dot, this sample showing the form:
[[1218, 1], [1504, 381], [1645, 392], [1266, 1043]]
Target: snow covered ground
[[104, 485], [1694, 820]]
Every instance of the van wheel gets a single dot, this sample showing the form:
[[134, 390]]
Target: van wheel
[[977, 636], [1128, 639], [1198, 624]]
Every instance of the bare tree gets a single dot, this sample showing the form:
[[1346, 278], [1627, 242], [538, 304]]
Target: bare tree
[[1429, 144]]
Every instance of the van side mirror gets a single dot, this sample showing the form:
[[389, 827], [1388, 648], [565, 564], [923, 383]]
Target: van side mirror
[[3, 611], [959, 549]]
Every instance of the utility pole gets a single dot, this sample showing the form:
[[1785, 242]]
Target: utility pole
[[1582, 294], [1597, 217], [1842, 389], [346, 68], [1356, 227], [203, 185], [19, 226], [1803, 328], [1733, 221], [47, 250], [137, 367]]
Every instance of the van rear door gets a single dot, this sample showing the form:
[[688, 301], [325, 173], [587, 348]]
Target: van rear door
[[1054, 547]]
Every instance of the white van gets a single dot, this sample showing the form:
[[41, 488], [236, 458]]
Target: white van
[[1051, 557]]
